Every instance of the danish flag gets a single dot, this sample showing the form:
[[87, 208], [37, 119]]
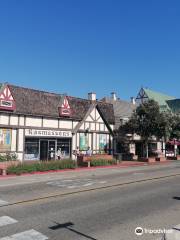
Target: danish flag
[[65, 109], [6, 99]]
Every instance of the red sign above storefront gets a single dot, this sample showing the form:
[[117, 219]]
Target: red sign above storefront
[[65, 109], [6, 99]]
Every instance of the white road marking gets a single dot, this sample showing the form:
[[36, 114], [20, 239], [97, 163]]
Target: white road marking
[[75, 183], [5, 220], [27, 235], [103, 182], [2, 202], [138, 173], [88, 184], [68, 180], [61, 185], [72, 186]]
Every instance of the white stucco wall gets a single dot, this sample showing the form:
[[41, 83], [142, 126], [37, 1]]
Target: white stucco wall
[[66, 124], [97, 127], [87, 125], [92, 126], [101, 127], [82, 127], [13, 140], [21, 120], [90, 140], [94, 141], [51, 123], [13, 120], [77, 143], [97, 115], [4, 119], [106, 129], [20, 156], [93, 112], [20, 140], [33, 122], [97, 141], [75, 123]]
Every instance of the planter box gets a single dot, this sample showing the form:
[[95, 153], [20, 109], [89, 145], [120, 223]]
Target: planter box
[[5, 165], [149, 160], [84, 160], [101, 156], [160, 159]]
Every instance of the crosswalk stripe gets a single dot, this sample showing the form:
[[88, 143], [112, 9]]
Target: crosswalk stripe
[[5, 220], [27, 235], [2, 202]]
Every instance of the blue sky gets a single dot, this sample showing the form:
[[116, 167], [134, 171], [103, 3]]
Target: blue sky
[[79, 46]]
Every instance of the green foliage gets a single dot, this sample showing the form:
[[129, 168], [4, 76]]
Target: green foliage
[[175, 124], [40, 166], [2, 158], [8, 157], [148, 121], [102, 162]]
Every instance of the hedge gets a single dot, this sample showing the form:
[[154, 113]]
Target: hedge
[[8, 157], [102, 162], [40, 166]]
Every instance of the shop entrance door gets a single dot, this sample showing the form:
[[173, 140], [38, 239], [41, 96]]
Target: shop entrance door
[[47, 150], [44, 150]]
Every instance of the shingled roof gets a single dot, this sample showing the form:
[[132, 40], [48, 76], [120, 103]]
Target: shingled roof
[[41, 103], [122, 109], [160, 98], [174, 105]]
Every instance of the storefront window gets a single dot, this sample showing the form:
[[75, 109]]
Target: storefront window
[[83, 144], [31, 149], [103, 142], [5, 140], [65, 146]]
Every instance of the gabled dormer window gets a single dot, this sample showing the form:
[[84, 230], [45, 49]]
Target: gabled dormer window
[[6, 99]]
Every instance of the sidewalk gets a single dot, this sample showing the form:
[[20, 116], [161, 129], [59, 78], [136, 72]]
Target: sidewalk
[[123, 164]]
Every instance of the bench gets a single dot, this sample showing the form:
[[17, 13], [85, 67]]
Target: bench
[[85, 161]]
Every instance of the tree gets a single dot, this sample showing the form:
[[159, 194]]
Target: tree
[[147, 121], [175, 123]]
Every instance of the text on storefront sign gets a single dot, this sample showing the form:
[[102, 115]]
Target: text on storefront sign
[[47, 133]]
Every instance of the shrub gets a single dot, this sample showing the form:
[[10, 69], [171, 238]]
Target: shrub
[[8, 157], [40, 166], [102, 162]]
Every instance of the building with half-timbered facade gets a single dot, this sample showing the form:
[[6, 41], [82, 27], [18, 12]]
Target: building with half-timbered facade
[[35, 124]]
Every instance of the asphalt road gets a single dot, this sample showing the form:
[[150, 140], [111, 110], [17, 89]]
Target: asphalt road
[[110, 213]]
